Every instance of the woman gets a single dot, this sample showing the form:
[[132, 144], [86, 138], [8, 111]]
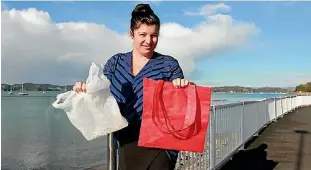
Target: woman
[[126, 72]]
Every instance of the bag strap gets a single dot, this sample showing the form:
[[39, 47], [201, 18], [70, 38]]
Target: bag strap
[[190, 115]]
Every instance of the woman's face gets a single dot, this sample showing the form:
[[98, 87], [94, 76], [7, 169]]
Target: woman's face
[[145, 38]]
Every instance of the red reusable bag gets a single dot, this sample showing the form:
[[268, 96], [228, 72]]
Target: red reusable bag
[[174, 118]]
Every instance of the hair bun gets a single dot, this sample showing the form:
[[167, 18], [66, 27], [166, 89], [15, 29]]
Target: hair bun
[[142, 9]]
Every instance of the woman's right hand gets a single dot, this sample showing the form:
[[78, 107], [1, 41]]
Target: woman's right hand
[[79, 87]]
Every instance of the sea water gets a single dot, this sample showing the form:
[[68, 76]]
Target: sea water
[[37, 136]]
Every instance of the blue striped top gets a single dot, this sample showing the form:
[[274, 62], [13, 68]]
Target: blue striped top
[[128, 89]]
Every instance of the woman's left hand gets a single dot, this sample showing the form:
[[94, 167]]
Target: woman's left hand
[[181, 82]]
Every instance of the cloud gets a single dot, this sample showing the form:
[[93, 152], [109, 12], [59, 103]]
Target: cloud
[[36, 49], [210, 10]]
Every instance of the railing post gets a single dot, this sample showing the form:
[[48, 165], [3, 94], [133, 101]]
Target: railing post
[[291, 101], [212, 139], [242, 125], [295, 102], [257, 115], [267, 112], [111, 155], [275, 110], [282, 108]]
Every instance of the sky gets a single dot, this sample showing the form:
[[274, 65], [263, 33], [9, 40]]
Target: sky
[[251, 44]]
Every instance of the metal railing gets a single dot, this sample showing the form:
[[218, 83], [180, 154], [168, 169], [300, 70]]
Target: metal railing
[[231, 126]]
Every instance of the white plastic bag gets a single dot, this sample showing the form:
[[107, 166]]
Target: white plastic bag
[[96, 112]]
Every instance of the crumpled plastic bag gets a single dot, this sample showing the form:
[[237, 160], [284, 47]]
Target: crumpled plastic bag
[[96, 112]]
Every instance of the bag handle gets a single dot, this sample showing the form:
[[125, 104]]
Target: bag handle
[[189, 117], [190, 111]]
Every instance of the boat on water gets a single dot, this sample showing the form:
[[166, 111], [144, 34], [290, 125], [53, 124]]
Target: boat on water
[[22, 93], [11, 91]]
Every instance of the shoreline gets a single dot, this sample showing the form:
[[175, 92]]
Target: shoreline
[[301, 93]]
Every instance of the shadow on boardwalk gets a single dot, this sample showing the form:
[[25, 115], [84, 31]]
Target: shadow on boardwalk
[[283, 145], [251, 159]]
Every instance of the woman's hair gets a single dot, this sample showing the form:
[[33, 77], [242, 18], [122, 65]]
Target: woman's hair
[[143, 14]]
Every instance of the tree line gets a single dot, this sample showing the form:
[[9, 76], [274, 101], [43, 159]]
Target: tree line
[[304, 87]]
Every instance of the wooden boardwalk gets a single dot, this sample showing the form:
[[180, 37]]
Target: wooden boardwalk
[[283, 145]]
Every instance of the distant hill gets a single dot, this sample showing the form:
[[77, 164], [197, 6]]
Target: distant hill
[[35, 87], [51, 87], [251, 89]]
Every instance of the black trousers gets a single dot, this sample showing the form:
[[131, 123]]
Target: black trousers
[[133, 157]]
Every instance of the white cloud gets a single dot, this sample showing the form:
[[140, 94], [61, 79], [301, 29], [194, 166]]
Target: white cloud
[[210, 9], [35, 49]]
